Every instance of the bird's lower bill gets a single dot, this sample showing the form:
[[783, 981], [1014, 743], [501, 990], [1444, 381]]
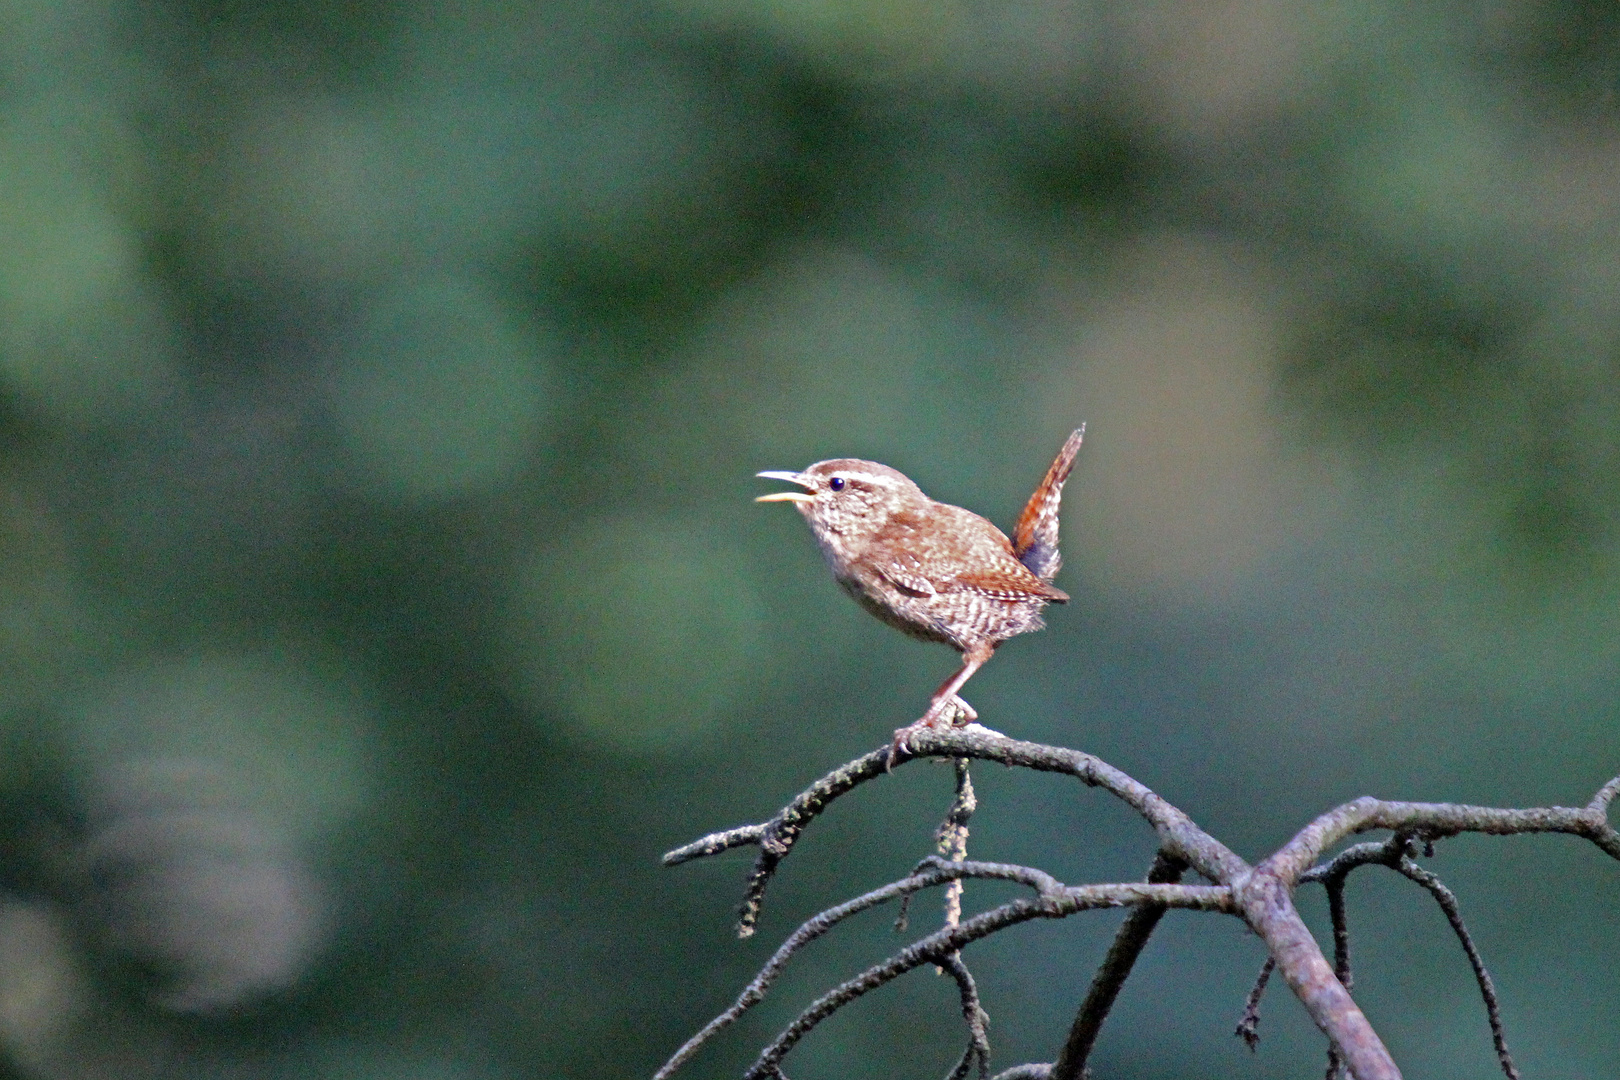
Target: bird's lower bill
[[786, 496]]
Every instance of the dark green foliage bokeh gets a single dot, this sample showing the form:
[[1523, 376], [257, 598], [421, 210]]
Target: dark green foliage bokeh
[[381, 388]]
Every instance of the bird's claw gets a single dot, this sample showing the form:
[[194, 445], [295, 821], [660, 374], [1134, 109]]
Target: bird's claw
[[897, 747]]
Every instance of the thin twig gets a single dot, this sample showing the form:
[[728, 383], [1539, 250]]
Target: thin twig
[[1341, 933], [1129, 941], [1067, 900], [715, 843], [1248, 1028], [932, 871], [952, 837], [1334, 883], [1332, 876], [950, 840], [1487, 989], [978, 1022], [1373, 851]]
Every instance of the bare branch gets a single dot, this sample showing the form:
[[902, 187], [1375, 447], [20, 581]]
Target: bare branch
[[1129, 941], [1177, 834], [1266, 902], [1434, 821], [1606, 795], [1396, 853], [1248, 1028], [1262, 894], [1487, 989]]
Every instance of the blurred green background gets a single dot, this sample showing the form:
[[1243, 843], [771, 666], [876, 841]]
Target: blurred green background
[[381, 388]]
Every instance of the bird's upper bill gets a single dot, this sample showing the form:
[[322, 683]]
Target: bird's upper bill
[[786, 496]]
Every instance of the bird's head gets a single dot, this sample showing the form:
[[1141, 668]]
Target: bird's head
[[846, 500]]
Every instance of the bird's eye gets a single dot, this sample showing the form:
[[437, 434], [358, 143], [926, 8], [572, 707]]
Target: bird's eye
[[836, 483]]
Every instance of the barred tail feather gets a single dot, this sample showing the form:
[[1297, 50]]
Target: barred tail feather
[[1035, 541]]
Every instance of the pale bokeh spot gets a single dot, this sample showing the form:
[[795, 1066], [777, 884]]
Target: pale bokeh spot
[[206, 893], [43, 987], [1203, 69], [1185, 487], [824, 347]]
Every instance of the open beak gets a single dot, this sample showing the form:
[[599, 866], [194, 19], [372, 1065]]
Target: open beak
[[786, 496]]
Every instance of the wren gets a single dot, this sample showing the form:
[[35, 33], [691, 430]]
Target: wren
[[933, 570]]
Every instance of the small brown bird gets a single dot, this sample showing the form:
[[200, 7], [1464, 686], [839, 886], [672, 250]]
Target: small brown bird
[[933, 570]]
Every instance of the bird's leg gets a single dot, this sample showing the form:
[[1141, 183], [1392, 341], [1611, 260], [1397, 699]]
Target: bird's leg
[[945, 697]]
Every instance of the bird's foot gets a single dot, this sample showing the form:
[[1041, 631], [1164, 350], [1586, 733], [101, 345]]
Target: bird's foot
[[951, 711]]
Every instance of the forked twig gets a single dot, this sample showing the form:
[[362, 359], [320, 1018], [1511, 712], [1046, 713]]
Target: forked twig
[[776, 837], [1487, 989], [930, 872], [1397, 853], [1248, 1028]]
